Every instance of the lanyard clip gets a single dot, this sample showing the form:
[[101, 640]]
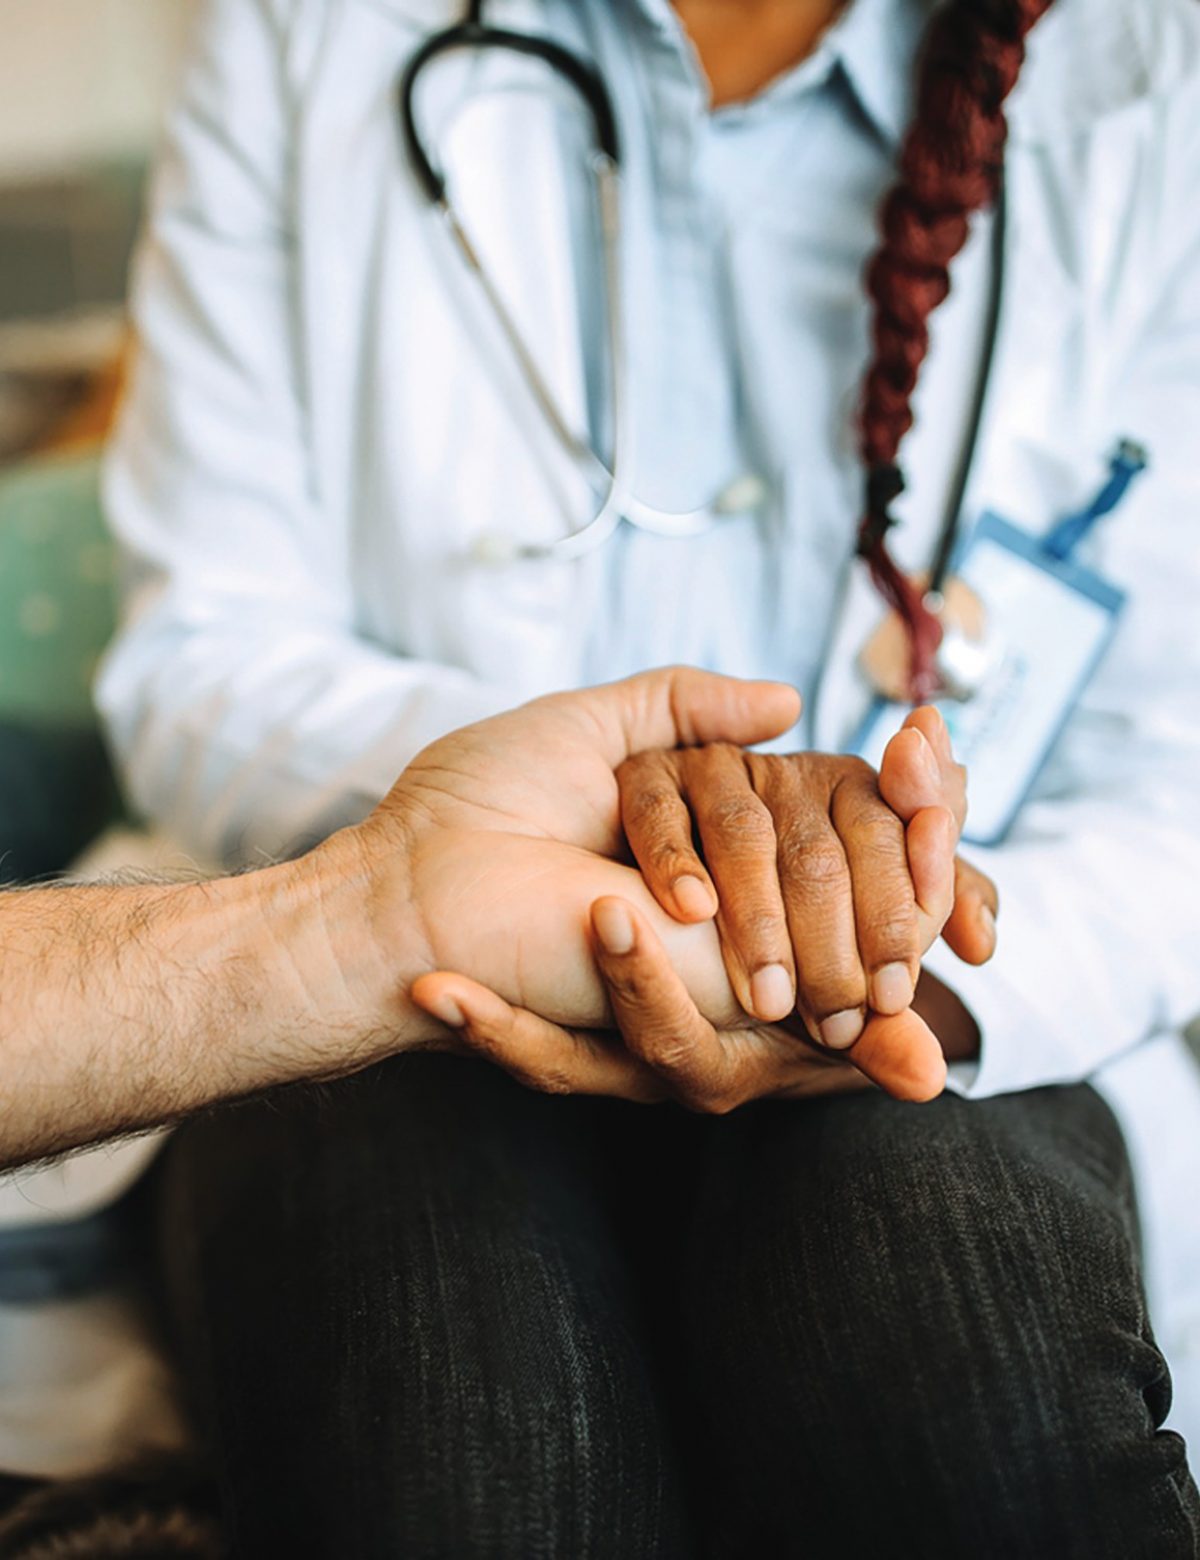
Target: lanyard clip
[[1128, 462]]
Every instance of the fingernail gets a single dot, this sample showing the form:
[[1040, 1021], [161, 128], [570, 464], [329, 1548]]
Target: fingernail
[[692, 897], [891, 989], [772, 993], [447, 1011], [988, 921], [842, 1030], [929, 760], [614, 928]]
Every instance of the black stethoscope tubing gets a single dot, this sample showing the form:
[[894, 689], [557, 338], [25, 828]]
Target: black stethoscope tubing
[[474, 34], [951, 528]]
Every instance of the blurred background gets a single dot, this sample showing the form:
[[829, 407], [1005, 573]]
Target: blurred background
[[83, 85]]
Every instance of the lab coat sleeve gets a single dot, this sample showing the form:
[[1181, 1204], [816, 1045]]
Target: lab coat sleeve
[[248, 715], [1100, 881]]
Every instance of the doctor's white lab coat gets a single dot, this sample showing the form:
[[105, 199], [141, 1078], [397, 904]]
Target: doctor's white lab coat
[[310, 447]]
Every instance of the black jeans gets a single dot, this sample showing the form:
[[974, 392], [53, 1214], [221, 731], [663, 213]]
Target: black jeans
[[432, 1316]]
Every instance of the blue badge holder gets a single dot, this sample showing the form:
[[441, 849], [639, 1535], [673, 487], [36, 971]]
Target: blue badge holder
[[1053, 620]]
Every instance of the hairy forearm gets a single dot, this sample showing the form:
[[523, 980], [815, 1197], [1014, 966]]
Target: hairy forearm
[[123, 1008]]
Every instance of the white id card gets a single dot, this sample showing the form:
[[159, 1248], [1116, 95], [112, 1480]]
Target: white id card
[[1051, 622]]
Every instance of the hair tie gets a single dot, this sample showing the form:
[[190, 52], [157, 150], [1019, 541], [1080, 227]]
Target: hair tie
[[885, 483]]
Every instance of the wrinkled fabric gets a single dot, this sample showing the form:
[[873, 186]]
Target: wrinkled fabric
[[428, 1313]]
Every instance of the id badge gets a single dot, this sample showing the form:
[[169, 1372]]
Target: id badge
[[1050, 622]]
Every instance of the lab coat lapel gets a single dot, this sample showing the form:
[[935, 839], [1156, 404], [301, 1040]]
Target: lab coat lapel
[[502, 148], [460, 448]]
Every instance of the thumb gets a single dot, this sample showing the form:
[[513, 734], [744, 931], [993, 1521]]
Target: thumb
[[682, 706], [901, 1054], [918, 769]]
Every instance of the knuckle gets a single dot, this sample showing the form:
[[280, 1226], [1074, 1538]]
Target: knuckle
[[774, 776], [822, 862], [742, 815], [651, 806], [547, 1080], [870, 816], [712, 1100], [633, 770], [631, 986], [897, 930], [856, 770], [880, 854], [669, 1053], [668, 859], [649, 802], [720, 752], [760, 926], [672, 1055], [490, 1043], [795, 838]]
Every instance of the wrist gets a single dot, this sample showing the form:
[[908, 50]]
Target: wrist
[[365, 935]]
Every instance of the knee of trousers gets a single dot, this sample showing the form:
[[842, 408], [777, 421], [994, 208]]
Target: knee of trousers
[[953, 1286], [459, 1354]]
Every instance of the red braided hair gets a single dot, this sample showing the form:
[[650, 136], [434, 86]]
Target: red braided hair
[[951, 165]]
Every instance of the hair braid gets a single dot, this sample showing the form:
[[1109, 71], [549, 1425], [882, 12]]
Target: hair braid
[[951, 165]]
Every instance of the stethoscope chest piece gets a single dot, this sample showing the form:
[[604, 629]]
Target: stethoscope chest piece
[[967, 656]]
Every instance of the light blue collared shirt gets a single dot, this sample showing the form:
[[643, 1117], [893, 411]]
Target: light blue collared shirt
[[746, 234]]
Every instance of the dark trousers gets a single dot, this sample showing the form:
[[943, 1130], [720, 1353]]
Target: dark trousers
[[432, 1316]]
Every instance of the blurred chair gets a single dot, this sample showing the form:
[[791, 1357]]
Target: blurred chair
[[57, 790]]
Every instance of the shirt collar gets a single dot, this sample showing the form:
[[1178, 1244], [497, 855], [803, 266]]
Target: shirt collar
[[873, 43], [876, 43]]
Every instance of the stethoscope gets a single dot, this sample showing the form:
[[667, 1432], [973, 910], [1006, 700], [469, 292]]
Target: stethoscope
[[958, 660], [742, 496]]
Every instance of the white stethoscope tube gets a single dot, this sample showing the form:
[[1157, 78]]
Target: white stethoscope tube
[[742, 496]]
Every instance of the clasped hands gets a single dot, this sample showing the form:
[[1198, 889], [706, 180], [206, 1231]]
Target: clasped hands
[[615, 897]]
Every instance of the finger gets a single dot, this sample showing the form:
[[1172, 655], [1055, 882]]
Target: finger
[[658, 1020], [815, 880], [885, 907], [682, 706], [970, 931], [931, 840], [658, 827], [901, 1054], [930, 722], [538, 1054], [918, 769], [918, 774], [738, 837]]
